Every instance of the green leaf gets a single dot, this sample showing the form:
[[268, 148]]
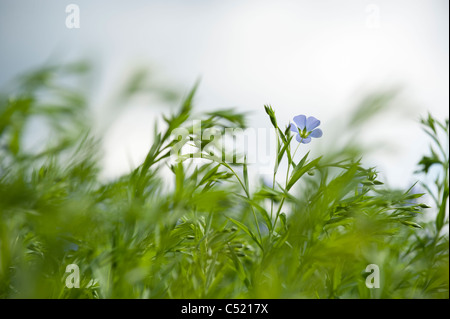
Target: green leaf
[[151, 155], [414, 196], [302, 161], [239, 268], [441, 215], [246, 230], [300, 170], [209, 174], [281, 153], [263, 212], [246, 174], [283, 220], [410, 224], [231, 116], [267, 192]]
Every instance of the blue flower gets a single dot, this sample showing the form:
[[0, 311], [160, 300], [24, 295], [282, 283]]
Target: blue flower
[[306, 128]]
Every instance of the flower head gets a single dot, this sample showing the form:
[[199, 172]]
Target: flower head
[[306, 128]]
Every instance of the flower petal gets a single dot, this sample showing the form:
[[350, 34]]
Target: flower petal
[[298, 138], [306, 140], [294, 128], [312, 123], [300, 121], [316, 133]]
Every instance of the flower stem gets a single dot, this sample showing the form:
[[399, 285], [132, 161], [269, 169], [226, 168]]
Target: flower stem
[[287, 177], [275, 169], [289, 166], [248, 196]]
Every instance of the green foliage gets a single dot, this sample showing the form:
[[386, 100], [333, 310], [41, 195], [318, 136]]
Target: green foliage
[[214, 234]]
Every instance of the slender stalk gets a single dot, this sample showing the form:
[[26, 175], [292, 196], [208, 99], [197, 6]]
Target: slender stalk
[[289, 166], [275, 169], [248, 196], [284, 198]]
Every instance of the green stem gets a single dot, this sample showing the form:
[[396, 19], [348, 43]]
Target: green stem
[[275, 169], [248, 196], [289, 166], [273, 187], [284, 198]]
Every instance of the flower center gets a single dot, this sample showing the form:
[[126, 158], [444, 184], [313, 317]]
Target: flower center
[[303, 133]]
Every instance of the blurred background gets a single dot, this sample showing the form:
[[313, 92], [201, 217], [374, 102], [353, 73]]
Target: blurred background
[[318, 58]]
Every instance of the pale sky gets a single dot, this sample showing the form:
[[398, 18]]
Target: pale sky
[[302, 57]]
